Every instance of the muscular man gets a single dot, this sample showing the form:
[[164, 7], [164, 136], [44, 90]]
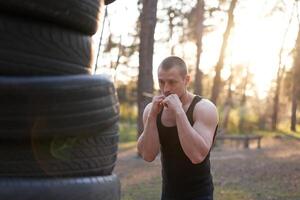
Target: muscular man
[[182, 126]]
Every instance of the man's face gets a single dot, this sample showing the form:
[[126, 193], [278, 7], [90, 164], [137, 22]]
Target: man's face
[[172, 82]]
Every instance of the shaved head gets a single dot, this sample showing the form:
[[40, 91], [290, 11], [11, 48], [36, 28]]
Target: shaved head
[[174, 62]]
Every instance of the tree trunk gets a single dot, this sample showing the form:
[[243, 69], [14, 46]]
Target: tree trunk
[[276, 99], [171, 15], [294, 112], [120, 53], [199, 33], [296, 80], [227, 106], [220, 63], [145, 78], [275, 108], [243, 104], [280, 73]]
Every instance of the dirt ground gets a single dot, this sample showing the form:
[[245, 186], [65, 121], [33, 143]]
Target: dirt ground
[[269, 173]]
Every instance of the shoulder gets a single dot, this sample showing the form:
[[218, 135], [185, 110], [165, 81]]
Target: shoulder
[[206, 111], [147, 109], [146, 112], [206, 105]]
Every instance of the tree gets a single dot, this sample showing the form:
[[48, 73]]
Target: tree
[[176, 18], [145, 78], [243, 109], [295, 84], [280, 74], [199, 33], [228, 104], [118, 51], [220, 63]]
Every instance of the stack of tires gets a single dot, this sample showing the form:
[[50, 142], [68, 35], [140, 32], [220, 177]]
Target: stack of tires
[[58, 122]]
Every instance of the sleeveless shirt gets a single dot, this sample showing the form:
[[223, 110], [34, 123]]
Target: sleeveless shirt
[[182, 180]]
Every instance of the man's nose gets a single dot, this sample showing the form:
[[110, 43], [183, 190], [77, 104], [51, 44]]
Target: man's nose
[[167, 88]]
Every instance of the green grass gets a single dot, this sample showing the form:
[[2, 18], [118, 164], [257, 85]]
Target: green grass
[[128, 125], [128, 113], [149, 190], [128, 132], [249, 190], [252, 186], [233, 192], [283, 129]]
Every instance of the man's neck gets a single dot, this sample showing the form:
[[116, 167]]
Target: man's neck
[[186, 98]]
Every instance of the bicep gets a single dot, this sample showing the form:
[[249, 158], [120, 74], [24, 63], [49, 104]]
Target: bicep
[[206, 132], [206, 120]]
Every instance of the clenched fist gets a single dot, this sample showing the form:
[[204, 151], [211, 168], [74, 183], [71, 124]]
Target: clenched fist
[[172, 102], [156, 105]]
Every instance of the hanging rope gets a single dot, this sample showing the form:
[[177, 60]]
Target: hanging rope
[[100, 40]]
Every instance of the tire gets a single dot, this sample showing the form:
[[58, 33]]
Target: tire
[[108, 2], [47, 107], [88, 188], [84, 155], [78, 15], [29, 48]]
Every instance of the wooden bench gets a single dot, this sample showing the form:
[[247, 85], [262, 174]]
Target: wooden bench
[[242, 138]]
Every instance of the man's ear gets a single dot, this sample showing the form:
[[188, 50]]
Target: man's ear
[[187, 79]]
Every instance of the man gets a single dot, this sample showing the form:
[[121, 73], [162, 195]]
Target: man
[[182, 126]]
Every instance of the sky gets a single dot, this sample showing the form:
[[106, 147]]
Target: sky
[[255, 40]]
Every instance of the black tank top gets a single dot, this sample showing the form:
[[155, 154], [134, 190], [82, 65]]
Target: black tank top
[[182, 180]]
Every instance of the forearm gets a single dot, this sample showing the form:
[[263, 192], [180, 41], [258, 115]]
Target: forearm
[[192, 143], [148, 142]]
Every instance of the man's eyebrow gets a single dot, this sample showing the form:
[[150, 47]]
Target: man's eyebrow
[[170, 79]]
